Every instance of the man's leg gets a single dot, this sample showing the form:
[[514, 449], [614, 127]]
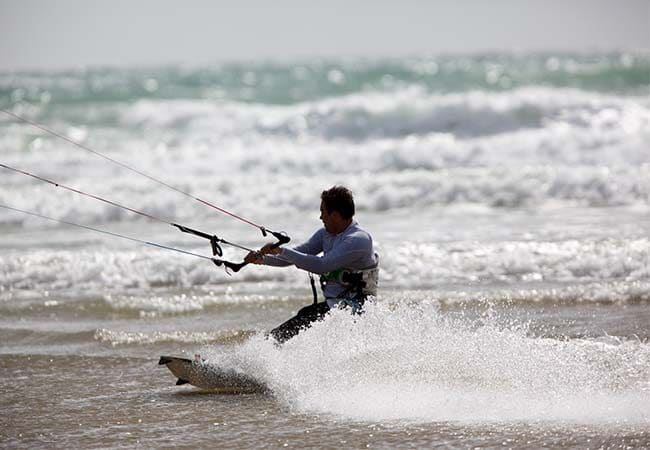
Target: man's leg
[[300, 321]]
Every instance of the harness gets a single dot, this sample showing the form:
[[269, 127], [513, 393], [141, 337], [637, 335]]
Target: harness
[[358, 284]]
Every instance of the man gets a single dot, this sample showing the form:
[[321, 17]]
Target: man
[[348, 265]]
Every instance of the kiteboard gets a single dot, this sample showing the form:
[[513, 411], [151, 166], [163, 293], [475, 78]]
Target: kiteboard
[[206, 375]]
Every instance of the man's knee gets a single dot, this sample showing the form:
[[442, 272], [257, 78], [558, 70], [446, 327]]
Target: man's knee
[[308, 310], [304, 310]]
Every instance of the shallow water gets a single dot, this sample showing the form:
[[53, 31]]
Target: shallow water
[[152, 414], [489, 385]]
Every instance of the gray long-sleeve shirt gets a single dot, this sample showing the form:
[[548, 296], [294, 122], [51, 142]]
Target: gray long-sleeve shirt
[[351, 249]]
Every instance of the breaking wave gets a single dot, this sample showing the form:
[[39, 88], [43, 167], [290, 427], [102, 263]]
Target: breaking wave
[[461, 262], [523, 148], [119, 338], [150, 283]]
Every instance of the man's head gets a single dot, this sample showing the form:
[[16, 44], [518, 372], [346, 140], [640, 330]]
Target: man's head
[[336, 209]]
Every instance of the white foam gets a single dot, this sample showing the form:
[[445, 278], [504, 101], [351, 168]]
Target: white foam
[[411, 111], [523, 148], [417, 263], [140, 278]]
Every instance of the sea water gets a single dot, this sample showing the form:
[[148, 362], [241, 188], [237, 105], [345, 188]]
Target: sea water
[[508, 197]]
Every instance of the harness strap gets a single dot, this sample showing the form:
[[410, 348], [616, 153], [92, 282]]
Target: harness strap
[[313, 287], [355, 304]]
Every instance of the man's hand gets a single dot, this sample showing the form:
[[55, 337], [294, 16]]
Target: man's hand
[[270, 249], [258, 256], [254, 258]]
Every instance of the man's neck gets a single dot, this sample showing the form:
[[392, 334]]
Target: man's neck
[[344, 226]]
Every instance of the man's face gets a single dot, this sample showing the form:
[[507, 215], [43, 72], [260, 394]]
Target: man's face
[[326, 217]]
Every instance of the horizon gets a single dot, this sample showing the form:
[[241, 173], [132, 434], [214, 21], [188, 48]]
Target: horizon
[[331, 58]]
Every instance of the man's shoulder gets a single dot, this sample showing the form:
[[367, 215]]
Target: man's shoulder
[[356, 228], [356, 233]]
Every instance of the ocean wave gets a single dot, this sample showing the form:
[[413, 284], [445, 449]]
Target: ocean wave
[[519, 148], [312, 79], [202, 127], [606, 270], [504, 187], [169, 303], [407, 189], [118, 338], [402, 113], [627, 292], [427, 264], [91, 272]]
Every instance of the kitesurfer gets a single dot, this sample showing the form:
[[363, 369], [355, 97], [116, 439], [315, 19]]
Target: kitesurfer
[[341, 253]]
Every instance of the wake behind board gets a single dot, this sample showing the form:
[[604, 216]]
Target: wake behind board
[[205, 375]]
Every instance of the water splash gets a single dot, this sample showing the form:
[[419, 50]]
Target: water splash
[[411, 363]]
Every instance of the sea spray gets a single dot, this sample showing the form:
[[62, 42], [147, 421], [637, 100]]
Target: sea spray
[[410, 362]]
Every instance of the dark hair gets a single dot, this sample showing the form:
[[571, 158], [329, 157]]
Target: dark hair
[[339, 198]]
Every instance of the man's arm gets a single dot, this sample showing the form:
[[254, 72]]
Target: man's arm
[[313, 246], [345, 254]]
